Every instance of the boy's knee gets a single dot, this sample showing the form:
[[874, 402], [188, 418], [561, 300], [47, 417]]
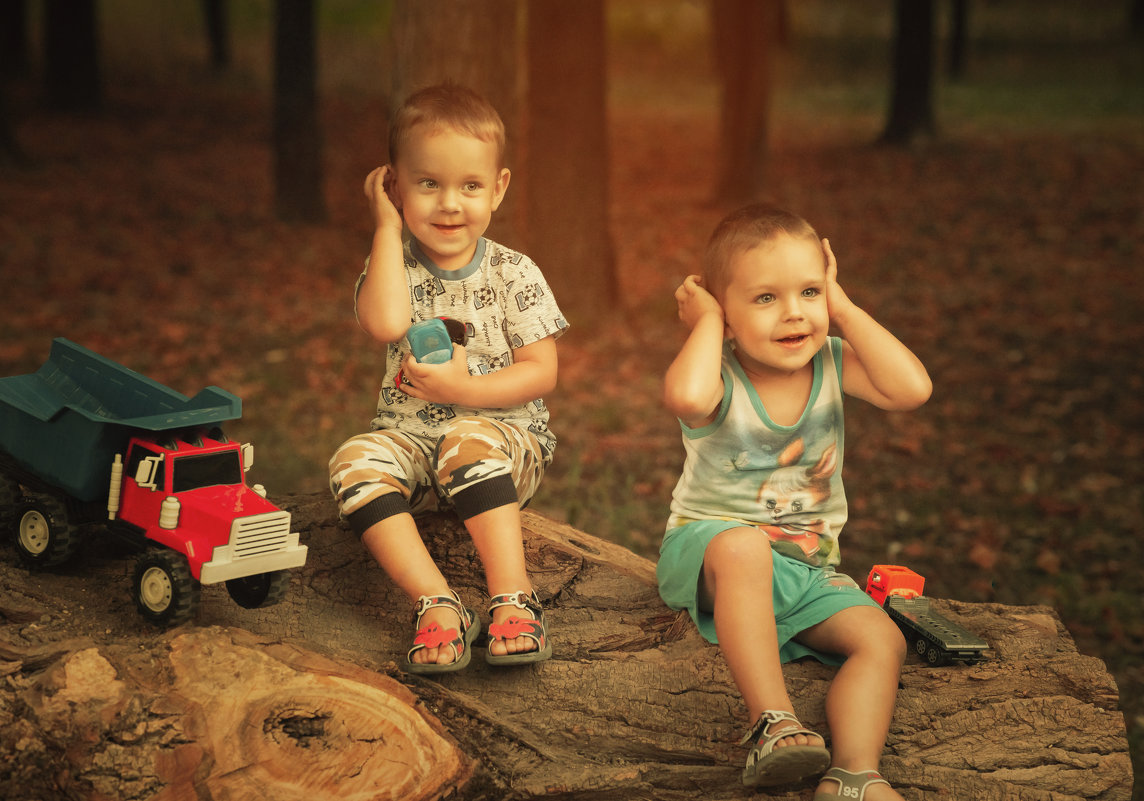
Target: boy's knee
[[482, 496], [364, 468], [472, 438], [376, 510], [896, 643], [738, 547], [473, 449], [881, 636]]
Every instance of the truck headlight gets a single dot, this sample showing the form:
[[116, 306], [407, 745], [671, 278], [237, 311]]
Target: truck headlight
[[169, 514]]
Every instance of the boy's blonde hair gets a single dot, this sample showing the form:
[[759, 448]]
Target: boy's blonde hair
[[742, 230], [451, 106]]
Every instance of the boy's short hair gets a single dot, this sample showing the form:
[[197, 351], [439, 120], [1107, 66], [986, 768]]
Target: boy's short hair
[[451, 106], [744, 229]]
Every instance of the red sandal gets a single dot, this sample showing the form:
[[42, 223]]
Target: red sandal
[[514, 626], [433, 636]]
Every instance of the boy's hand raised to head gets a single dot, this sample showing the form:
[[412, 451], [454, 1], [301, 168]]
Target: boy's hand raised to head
[[377, 190], [695, 302], [837, 301]]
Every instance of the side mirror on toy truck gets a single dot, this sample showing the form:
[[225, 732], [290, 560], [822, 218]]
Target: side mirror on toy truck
[[931, 635], [145, 473]]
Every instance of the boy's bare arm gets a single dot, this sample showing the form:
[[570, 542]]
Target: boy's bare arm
[[383, 298], [693, 386], [531, 375], [877, 367]]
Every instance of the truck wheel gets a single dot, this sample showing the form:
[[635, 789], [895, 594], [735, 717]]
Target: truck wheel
[[166, 593], [44, 535], [920, 646], [935, 657], [261, 589]]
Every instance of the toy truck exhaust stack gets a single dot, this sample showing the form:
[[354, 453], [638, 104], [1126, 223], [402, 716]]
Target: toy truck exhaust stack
[[84, 440], [934, 637]]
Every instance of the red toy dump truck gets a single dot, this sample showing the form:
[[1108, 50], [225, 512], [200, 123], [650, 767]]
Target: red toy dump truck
[[85, 440], [934, 637]]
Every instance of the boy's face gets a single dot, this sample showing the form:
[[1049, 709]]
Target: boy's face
[[448, 185], [775, 304]]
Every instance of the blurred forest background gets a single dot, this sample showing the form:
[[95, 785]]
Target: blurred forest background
[[1002, 242]]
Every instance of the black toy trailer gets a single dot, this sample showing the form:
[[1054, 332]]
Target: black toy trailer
[[932, 636]]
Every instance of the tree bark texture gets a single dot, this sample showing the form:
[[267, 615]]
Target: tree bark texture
[[474, 43], [298, 191], [911, 116], [71, 55], [745, 34], [566, 153], [306, 699]]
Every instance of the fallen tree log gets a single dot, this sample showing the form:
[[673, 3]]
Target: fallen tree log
[[305, 700]]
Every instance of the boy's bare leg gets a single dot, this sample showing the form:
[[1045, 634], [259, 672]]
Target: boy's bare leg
[[397, 546], [499, 540], [736, 586], [860, 702]]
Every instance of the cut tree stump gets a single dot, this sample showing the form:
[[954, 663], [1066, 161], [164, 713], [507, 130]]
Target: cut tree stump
[[305, 700]]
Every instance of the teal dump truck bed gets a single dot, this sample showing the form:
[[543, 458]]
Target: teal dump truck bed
[[65, 422]]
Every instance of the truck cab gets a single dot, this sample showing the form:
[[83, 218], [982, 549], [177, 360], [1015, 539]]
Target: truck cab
[[885, 581], [190, 494]]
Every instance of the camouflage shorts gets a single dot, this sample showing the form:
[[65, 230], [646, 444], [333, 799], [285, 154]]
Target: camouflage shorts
[[427, 471]]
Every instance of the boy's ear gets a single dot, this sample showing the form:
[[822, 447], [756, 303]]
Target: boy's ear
[[501, 187], [391, 188]]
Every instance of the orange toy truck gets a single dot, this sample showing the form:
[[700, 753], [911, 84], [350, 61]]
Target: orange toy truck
[[934, 637]]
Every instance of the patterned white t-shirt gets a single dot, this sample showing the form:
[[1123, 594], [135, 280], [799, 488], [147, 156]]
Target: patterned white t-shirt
[[504, 302]]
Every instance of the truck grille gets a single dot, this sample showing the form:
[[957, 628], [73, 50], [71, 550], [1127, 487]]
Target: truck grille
[[260, 534]]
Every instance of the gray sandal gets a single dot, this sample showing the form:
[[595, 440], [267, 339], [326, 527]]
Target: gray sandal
[[850, 784], [767, 765]]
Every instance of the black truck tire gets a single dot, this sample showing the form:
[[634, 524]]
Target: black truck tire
[[43, 534], [261, 589], [936, 657], [166, 593]]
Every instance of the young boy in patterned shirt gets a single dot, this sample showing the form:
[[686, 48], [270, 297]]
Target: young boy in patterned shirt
[[471, 433]]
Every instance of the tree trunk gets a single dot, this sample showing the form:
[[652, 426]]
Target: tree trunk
[[958, 38], [566, 154], [911, 100], [11, 151], [216, 21], [306, 700], [475, 43], [71, 55], [297, 135], [745, 34], [14, 54]]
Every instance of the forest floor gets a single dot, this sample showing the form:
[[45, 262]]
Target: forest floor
[[1008, 258]]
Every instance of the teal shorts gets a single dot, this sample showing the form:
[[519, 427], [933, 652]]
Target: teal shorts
[[804, 595]]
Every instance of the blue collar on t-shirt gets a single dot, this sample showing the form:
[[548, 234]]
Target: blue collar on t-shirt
[[448, 275]]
